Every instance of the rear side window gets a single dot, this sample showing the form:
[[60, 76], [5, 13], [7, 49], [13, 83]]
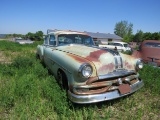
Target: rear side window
[[152, 44], [52, 40], [125, 45], [46, 40]]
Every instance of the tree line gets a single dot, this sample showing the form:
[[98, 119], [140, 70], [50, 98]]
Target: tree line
[[38, 36], [122, 29], [125, 30]]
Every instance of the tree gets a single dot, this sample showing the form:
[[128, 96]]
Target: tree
[[123, 28], [147, 36], [156, 36], [35, 36], [30, 35], [126, 38], [39, 35], [138, 37]]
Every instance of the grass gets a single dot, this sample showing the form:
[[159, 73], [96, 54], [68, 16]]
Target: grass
[[28, 91]]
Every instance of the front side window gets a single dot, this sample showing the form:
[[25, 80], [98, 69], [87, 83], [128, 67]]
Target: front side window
[[65, 39], [118, 44]]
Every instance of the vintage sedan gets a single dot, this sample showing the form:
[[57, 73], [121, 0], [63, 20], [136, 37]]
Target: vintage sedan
[[149, 51], [88, 73]]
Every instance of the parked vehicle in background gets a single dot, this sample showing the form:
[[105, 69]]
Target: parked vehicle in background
[[133, 45], [88, 73], [120, 46], [149, 51], [23, 41]]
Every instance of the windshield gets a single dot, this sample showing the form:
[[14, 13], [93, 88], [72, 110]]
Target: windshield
[[65, 39]]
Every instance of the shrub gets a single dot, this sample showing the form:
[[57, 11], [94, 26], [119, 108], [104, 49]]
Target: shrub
[[23, 62], [127, 52], [151, 78]]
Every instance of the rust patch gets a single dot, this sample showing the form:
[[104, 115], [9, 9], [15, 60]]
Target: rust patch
[[126, 64], [94, 56], [124, 88], [91, 79], [134, 81], [77, 58], [136, 54], [109, 67]]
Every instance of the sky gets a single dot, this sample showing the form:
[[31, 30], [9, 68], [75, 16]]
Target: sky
[[23, 16]]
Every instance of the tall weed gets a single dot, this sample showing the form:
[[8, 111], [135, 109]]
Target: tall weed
[[151, 78], [27, 91]]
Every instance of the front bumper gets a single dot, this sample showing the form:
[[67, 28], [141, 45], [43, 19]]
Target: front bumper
[[82, 99]]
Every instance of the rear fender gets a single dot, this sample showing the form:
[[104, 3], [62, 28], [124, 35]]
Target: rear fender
[[40, 51]]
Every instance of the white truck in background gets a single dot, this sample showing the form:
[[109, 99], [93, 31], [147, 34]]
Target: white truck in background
[[120, 46]]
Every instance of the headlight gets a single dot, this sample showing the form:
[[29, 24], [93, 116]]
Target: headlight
[[139, 64], [85, 70]]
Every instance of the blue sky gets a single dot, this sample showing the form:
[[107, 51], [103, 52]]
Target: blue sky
[[23, 16]]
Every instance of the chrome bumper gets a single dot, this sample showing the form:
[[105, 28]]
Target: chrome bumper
[[83, 99]]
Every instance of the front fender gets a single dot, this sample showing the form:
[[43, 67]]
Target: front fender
[[136, 54]]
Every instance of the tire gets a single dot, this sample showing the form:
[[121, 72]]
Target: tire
[[62, 80], [37, 56]]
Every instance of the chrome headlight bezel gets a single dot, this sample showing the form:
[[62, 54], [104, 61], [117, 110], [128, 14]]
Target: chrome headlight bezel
[[139, 64], [85, 70]]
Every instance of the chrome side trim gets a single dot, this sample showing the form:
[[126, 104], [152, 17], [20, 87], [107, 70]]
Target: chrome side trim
[[116, 62], [84, 99], [121, 62]]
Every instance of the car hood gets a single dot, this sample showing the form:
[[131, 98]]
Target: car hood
[[101, 59]]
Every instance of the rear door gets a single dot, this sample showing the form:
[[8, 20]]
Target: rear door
[[150, 52], [48, 50]]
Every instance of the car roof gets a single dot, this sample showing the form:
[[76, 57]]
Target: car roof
[[58, 32], [119, 42], [154, 41]]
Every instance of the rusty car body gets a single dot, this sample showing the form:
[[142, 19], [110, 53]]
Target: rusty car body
[[88, 73], [149, 51]]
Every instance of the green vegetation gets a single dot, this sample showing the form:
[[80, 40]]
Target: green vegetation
[[28, 91], [125, 30], [38, 36], [127, 52]]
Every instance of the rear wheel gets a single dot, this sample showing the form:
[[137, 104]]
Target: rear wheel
[[37, 56], [40, 58]]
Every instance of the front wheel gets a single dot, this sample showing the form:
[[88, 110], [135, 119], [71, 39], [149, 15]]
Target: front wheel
[[62, 79]]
